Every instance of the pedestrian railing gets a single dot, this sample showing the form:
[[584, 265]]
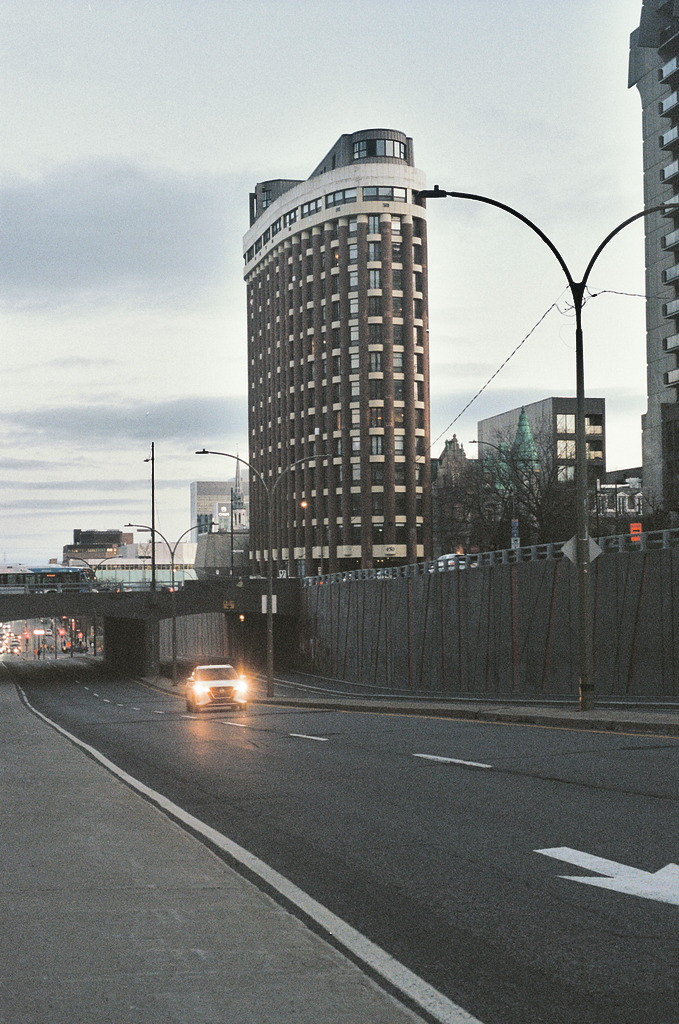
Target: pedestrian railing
[[651, 541]]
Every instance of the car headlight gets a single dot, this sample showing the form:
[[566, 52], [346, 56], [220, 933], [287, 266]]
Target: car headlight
[[200, 688], [241, 686]]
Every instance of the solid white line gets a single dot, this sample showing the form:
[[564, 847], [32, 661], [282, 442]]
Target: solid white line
[[302, 736], [453, 760], [378, 960]]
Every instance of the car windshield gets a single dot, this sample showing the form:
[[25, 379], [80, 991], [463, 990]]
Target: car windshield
[[212, 672]]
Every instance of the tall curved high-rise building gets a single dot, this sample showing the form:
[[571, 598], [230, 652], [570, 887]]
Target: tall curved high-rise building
[[338, 363]]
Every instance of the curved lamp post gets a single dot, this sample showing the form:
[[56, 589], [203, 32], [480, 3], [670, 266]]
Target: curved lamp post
[[583, 559], [172, 548], [77, 558], [269, 491]]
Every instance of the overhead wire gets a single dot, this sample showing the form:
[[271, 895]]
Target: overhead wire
[[568, 310]]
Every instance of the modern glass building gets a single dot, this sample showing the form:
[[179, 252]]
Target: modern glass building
[[654, 70], [338, 367]]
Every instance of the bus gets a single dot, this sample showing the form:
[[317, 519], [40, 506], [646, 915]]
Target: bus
[[50, 579]]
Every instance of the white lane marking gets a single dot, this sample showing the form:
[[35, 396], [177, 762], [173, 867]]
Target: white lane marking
[[236, 725], [94, 694], [453, 760], [661, 885], [439, 1007], [106, 700], [303, 736], [157, 712], [136, 709], [120, 705]]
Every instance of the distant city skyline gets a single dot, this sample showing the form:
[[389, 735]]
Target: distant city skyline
[[130, 145]]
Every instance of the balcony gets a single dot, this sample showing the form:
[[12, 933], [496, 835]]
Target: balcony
[[669, 70], [671, 241], [671, 378], [671, 275], [669, 171], [671, 344], [669, 104], [671, 308], [670, 137]]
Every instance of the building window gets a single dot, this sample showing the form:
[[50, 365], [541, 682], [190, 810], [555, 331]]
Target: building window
[[267, 198], [398, 358], [565, 448], [376, 444], [374, 252], [397, 252], [373, 223], [315, 206], [399, 444], [565, 423], [344, 195], [379, 147], [377, 473], [387, 193], [375, 334], [376, 416], [353, 252], [375, 305], [397, 280], [353, 225], [374, 279], [353, 280], [375, 362]]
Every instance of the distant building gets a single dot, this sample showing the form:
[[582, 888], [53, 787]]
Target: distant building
[[336, 275], [654, 70], [450, 511], [93, 545], [552, 426], [211, 502]]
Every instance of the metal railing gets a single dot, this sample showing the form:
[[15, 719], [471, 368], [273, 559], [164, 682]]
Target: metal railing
[[651, 541]]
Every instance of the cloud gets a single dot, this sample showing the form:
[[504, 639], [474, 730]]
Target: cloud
[[117, 232], [187, 419]]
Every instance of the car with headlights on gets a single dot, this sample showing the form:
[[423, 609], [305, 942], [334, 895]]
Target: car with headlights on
[[216, 686]]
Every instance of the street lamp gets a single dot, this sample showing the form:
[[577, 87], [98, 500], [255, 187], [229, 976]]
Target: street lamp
[[94, 568], [172, 548], [583, 558], [269, 491]]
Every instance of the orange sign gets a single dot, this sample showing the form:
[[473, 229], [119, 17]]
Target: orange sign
[[635, 529]]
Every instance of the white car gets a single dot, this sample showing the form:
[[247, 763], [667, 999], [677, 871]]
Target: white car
[[211, 686]]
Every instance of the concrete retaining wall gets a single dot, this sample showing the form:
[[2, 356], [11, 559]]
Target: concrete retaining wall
[[504, 630]]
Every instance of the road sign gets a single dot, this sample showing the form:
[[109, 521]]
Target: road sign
[[570, 549], [662, 885]]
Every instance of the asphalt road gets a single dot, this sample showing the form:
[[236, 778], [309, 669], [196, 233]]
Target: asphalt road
[[434, 860]]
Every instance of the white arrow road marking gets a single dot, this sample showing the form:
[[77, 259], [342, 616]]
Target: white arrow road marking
[[453, 760], [302, 736], [662, 885]]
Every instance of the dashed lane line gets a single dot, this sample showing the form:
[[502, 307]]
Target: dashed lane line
[[453, 760]]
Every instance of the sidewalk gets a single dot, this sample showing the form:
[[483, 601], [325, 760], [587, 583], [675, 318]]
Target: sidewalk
[[113, 914], [656, 722]]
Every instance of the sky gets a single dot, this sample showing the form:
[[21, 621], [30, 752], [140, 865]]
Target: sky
[[133, 131]]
